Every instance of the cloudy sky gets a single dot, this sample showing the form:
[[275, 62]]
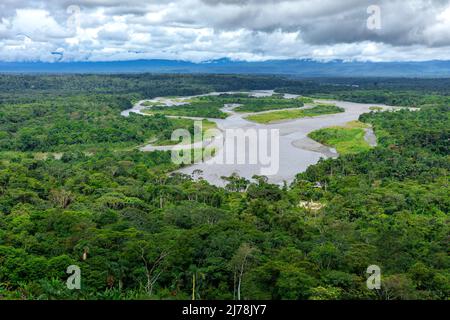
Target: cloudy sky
[[199, 30]]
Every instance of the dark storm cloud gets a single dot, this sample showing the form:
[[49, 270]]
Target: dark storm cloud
[[331, 22]]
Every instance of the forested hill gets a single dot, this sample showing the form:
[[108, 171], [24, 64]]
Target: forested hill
[[75, 191]]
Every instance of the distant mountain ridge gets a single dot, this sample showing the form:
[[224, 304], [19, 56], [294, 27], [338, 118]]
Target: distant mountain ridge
[[303, 68]]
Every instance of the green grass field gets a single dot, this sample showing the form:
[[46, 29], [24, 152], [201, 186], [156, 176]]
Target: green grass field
[[275, 116], [346, 140]]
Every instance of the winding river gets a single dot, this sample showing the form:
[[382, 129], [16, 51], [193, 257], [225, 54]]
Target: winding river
[[296, 150]]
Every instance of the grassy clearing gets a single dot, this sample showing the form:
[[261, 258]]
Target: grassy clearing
[[275, 116], [356, 124], [346, 140]]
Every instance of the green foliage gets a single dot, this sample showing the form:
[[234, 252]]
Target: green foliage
[[259, 104], [390, 91], [76, 122], [138, 231], [294, 114], [210, 106], [203, 109], [344, 140]]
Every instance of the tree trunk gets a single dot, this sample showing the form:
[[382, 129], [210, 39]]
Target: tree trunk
[[234, 286], [239, 289], [193, 286], [240, 280]]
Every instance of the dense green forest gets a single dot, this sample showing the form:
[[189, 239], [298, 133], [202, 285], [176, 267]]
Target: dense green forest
[[398, 92], [138, 231]]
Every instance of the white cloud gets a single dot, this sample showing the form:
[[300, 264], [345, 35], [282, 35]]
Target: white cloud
[[207, 29]]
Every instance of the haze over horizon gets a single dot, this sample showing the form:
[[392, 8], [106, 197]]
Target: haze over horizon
[[202, 30]]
